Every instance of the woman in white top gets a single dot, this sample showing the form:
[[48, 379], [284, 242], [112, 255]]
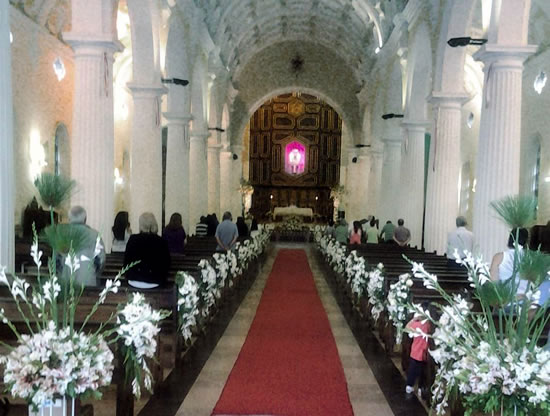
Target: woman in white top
[[121, 232], [502, 266]]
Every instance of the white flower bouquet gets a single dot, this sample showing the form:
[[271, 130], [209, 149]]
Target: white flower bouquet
[[490, 358], [137, 328], [356, 275], [188, 304], [398, 304], [208, 288], [375, 290]]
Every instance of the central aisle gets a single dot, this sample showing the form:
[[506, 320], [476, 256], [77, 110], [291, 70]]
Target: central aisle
[[289, 363]]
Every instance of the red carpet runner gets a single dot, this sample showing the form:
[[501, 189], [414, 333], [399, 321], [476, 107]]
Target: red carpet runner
[[289, 364]]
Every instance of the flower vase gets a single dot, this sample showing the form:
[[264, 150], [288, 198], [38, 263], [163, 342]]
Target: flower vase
[[65, 406]]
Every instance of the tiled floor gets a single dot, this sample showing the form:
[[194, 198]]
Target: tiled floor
[[365, 394]]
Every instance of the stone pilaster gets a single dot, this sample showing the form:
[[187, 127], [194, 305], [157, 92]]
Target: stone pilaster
[[375, 183], [391, 170], [92, 146], [146, 152], [177, 167], [198, 175], [350, 205], [498, 160], [412, 177], [7, 169], [363, 180], [214, 179], [443, 171], [226, 163]]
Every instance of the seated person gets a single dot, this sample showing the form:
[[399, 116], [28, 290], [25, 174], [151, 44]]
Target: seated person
[[330, 231], [341, 231], [226, 233], [372, 232], [152, 253], [460, 240], [387, 232], [401, 235], [174, 234], [502, 265], [242, 228], [91, 261], [201, 229], [356, 232], [121, 232]]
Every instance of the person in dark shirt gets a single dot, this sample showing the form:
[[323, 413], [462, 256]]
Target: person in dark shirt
[[151, 251], [174, 234], [241, 227]]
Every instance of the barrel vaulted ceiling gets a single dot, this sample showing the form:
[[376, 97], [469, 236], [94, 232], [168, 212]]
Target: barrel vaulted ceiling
[[351, 28]]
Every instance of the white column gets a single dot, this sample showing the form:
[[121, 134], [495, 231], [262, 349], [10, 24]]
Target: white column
[[498, 159], [146, 152], [363, 180], [177, 167], [7, 172], [391, 182], [350, 205], [214, 179], [198, 175], [237, 205], [226, 162], [443, 171], [92, 146], [375, 183], [412, 174]]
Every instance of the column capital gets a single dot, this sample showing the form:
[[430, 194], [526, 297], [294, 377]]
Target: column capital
[[199, 135], [415, 125], [86, 43], [141, 90], [448, 99], [177, 118], [508, 56]]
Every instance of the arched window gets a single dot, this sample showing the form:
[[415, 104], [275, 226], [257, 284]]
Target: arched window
[[61, 151], [535, 178], [465, 183]]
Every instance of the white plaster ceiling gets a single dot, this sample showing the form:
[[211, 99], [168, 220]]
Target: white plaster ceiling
[[351, 28]]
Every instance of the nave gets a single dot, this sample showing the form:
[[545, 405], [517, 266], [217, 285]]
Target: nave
[[369, 393]]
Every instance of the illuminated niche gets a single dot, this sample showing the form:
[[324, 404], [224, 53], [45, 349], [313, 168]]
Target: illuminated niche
[[295, 158]]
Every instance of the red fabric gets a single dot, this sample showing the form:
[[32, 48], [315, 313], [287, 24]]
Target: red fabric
[[289, 364], [355, 237], [419, 347]]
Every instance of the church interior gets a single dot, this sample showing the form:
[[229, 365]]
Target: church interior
[[297, 117]]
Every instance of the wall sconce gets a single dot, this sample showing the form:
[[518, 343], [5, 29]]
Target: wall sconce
[[470, 121], [11, 37], [118, 178], [316, 198], [59, 68], [540, 82], [465, 41], [217, 129], [271, 196], [235, 156], [175, 81], [391, 115], [37, 155], [354, 159]]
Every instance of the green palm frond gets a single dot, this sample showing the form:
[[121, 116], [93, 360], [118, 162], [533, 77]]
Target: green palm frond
[[516, 211], [63, 237], [534, 266], [54, 189]]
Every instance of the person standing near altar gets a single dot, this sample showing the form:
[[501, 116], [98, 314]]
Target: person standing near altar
[[226, 233]]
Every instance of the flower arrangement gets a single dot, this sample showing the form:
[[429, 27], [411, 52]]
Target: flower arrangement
[[55, 358], [188, 304], [356, 274], [221, 263], [208, 288], [398, 304], [492, 358], [137, 328], [375, 290]]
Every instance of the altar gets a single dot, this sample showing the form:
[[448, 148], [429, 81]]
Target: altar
[[292, 210]]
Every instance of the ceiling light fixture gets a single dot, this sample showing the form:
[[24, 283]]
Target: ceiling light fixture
[[392, 115], [175, 81]]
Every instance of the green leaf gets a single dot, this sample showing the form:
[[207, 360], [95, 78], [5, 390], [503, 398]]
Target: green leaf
[[63, 237], [54, 189], [534, 266], [516, 211]]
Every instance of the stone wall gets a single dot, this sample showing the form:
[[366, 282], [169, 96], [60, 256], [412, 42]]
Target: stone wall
[[40, 101]]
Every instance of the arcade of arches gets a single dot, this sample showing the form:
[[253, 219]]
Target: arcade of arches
[[286, 96]]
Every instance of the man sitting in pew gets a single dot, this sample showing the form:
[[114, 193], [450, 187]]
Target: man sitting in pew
[[150, 251], [460, 240]]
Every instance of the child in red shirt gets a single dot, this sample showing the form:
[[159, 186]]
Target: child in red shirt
[[419, 350]]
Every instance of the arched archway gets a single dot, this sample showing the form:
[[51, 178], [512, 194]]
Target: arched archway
[[294, 154]]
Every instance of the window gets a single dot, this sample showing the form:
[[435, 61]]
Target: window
[[535, 179], [465, 190]]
